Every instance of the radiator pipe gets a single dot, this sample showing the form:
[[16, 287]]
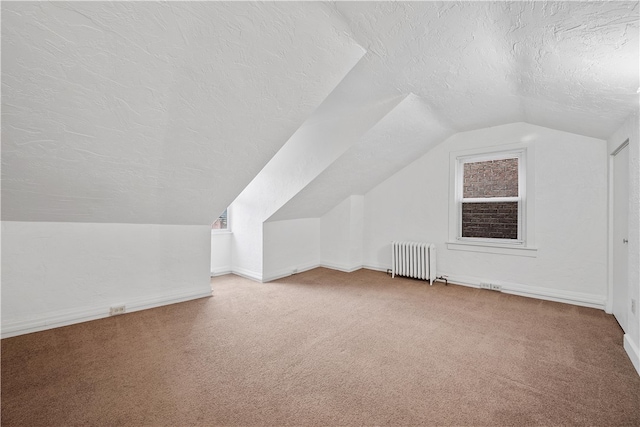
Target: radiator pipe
[[446, 282]]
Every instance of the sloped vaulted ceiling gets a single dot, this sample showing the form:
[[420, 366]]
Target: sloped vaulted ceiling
[[571, 66], [566, 65], [163, 112], [139, 112]]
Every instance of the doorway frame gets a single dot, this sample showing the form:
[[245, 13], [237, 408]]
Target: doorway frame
[[609, 304]]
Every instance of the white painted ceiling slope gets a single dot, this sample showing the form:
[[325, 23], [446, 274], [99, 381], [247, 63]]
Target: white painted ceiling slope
[[571, 66], [400, 137], [162, 113], [138, 112]]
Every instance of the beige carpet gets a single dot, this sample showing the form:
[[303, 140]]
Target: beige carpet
[[328, 348]]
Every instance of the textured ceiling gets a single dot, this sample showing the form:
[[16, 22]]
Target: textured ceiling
[[163, 112], [566, 65], [139, 112], [571, 66]]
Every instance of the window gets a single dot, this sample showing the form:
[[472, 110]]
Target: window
[[491, 204], [221, 223], [489, 210]]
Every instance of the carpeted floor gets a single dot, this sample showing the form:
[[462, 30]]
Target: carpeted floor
[[328, 348]]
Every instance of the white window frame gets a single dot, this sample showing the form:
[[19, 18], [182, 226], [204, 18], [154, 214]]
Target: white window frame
[[524, 244], [226, 230], [460, 199]]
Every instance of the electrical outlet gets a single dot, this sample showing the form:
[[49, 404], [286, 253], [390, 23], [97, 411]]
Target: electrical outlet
[[118, 309], [485, 285], [495, 287], [633, 306]]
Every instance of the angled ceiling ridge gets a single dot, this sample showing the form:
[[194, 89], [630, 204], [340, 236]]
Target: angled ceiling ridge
[[419, 130], [371, 115]]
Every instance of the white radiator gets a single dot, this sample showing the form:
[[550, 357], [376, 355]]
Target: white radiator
[[414, 259]]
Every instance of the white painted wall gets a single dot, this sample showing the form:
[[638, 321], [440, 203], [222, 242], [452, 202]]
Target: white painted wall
[[357, 231], [341, 235], [322, 139], [570, 218], [55, 274], [221, 252], [290, 246], [246, 247], [630, 130]]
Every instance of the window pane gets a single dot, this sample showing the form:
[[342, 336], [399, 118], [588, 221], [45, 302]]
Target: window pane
[[490, 220], [221, 222], [494, 178]]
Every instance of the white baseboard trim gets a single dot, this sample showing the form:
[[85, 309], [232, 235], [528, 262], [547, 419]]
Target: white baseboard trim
[[340, 267], [69, 317], [285, 272], [221, 271], [290, 271], [247, 274], [632, 352], [382, 268], [568, 297]]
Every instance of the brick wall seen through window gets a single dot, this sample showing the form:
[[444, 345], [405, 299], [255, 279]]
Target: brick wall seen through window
[[486, 180]]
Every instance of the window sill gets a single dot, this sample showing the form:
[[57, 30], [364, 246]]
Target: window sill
[[492, 248]]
